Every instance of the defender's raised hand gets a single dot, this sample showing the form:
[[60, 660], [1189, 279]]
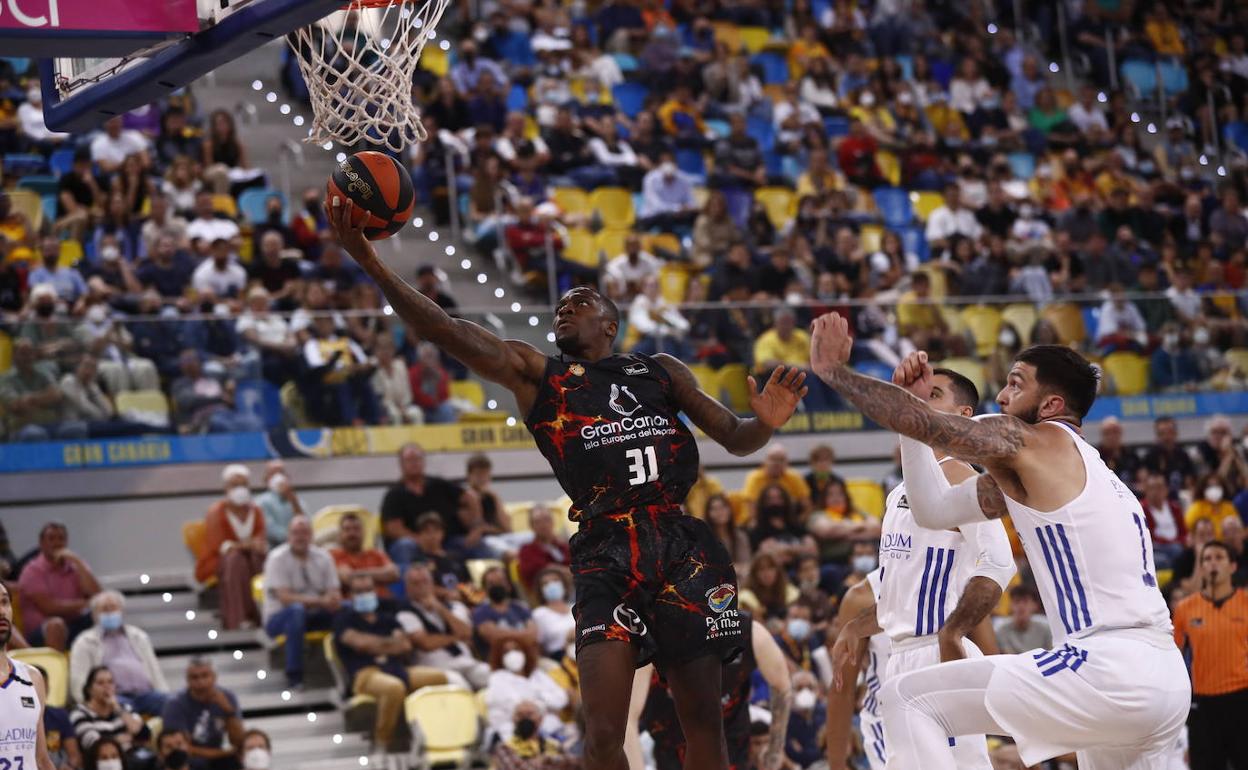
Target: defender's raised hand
[[914, 374], [830, 343], [779, 397]]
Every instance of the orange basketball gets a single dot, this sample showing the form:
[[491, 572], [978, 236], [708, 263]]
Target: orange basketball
[[380, 188]]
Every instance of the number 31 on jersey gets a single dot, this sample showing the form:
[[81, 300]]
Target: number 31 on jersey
[[642, 466]]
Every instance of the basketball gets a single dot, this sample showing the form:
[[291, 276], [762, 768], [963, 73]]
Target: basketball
[[380, 188]]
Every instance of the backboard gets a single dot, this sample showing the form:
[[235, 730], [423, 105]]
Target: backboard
[[115, 55]]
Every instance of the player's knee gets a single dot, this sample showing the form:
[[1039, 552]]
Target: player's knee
[[603, 740]]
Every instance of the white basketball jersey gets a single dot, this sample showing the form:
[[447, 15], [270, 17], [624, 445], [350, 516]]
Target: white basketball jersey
[[1092, 558], [922, 572], [19, 719]]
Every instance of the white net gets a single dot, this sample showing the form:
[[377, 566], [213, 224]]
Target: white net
[[359, 65]]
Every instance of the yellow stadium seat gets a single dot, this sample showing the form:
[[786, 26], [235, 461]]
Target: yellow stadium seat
[[870, 238], [482, 709], [293, 406], [28, 204], [579, 248], [1128, 372], [940, 282], [733, 388], [193, 533], [325, 524], [447, 718], [924, 203], [146, 406], [754, 39], [890, 167], [610, 242], [71, 253], [571, 200], [1236, 357], [953, 320], [477, 567], [984, 323], [614, 205], [520, 514], [780, 204], [1022, 316], [700, 194], [673, 283], [729, 34], [706, 377], [55, 665], [225, 204], [657, 242], [435, 60], [531, 129], [470, 391], [867, 496], [1068, 321], [6, 352], [969, 368]]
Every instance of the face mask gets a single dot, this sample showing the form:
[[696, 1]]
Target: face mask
[[553, 591], [1006, 338], [525, 728], [313, 207], [1213, 494], [808, 585], [864, 563], [45, 311], [667, 168], [109, 764], [773, 512], [570, 652], [497, 593], [805, 699], [256, 759], [277, 482], [365, 603], [110, 621], [798, 628], [513, 661], [1170, 340], [1201, 336], [176, 759], [98, 314], [794, 298], [238, 496], [867, 99]]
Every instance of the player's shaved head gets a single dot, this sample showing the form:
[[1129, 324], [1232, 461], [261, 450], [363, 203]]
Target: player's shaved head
[[586, 323]]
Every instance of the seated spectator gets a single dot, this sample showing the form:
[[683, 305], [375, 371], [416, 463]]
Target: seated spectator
[[778, 525], [496, 521], [301, 593], [79, 194], [1167, 457], [220, 275], [110, 148], [790, 116], [49, 328], [337, 387], [1219, 454], [161, 221], [140, 682], [502, 618], [681, 116], [279, 276], [1172, 365], [781, 345], [374, 650], [273, 346], [766, 591], [804, 744], [32, 126], [1120, 459], [610, 151], [625, 273], [1165, 521], [553, 616], [660, 326], [1210, 503], [34, 405], [113, 347], [856, 156], [951, 219], [234, 547], [106, 754], [167, 269], [352, 557], [775, 470], [1121, 326], [257, 750], [918, 316], [528, 748], [516, 677], [392, 386], [56, 586], [172, 750], [547, 548], [416, 494], [822, 473], [224, 156], [63, 748], [720, 518], [101, 715], [279, 502], [440, 630], [65, 280], [796, 636], [667, 200], [206, 404], [738, 159], [209, 715], [207, 227], [430, 384], [1023, 633]]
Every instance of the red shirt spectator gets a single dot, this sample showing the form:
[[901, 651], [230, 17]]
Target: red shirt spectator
[[55, 588], [547, 547], [856, 154], [1165, 520]]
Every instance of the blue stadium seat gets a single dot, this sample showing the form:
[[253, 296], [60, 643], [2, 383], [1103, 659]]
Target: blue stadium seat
[[835, 126], [20, 64], [1091, 320], [690, 161], [791, 168], [894, 205], [62, 161], [517, 49], [773, 162], [942, 71], [876, 369], [762, 130], [1173, 77], [252, 203], [517, 98], [739, 204], [1023, 164], [630, 97], [626, 61], [719, 127], [1237, 134], [23, 164], [907, 67], [775, 68], [49, 207], [914, 240], [40, 184], [1141, 76]]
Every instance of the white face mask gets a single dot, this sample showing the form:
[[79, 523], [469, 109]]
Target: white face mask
[[1170, 340], [277, 482], [570, 653], [1006, 338], [805, 699], [257, 759], [513, 661], [109, 764], [1201, 336], [98, 314], [238, 496], [1213, 494]]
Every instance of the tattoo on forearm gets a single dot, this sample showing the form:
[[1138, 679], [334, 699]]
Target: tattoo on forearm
[[978, 598], [780, 703], [991, 498], [898, 410]]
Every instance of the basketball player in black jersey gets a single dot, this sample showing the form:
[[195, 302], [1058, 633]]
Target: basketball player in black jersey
[[651, 583]]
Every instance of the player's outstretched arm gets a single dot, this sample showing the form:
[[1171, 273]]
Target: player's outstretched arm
[[775, 670], [842, 700], [514, 364], [938, 504], [996, 442], [773, 406]]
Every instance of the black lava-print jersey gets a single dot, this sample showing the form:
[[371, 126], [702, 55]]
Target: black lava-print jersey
[[613, 435]]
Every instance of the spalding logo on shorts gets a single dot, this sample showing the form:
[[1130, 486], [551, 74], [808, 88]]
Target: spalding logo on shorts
[[720, 597], [629, 620], [357, 185]]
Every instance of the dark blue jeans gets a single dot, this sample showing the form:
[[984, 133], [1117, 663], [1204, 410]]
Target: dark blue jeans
[[293, 621]]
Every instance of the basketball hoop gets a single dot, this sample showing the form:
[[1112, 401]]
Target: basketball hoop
[[359, 64]]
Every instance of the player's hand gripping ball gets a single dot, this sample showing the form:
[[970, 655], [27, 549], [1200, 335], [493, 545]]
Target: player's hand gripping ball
[[381, 190]]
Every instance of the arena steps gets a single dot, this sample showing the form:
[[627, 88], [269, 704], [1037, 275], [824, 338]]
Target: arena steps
[[323, 743]]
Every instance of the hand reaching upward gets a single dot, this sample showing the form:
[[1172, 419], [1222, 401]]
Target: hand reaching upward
[[830, 344], [914, 374], [779, 397]]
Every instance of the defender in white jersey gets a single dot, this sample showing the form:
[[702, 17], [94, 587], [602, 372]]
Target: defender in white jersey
[[843, 701], [935, 587], [1114, 688], [22, 695]]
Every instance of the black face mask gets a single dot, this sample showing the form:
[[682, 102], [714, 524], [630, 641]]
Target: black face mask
[[497, 593], [526, 728], [313, 206], [772, 513], [45, 311], [176, 759]]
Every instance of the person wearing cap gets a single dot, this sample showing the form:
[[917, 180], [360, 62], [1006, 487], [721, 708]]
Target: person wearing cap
[[1175, 150], [234, 547]]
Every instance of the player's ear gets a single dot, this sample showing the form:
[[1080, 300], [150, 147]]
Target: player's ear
[[966, 411], [1052, 405], [612, 328]]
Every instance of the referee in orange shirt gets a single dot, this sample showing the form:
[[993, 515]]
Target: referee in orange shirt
[[1211, 627]]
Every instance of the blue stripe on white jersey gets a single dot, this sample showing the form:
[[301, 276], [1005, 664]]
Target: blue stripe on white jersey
[[1072, 601], [934, 590]]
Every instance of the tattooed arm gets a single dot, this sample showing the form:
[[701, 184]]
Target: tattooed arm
[[978, 598], [516, 365], [773, 406], [775, 670]]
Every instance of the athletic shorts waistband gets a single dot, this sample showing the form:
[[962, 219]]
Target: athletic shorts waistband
[[1152, 636], [656, 511]]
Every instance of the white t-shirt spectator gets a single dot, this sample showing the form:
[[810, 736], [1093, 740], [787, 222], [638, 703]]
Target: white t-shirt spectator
[[656, 317], [622, 272], [223, 283], [806, 113], [271, 329], [506, 148], [661, 195], [314, 354], [552, 629], [211, 229], [314, 574], [1185, 303], [1125, 320], [1087, 118], [30, 118], [114, 151], [622, 155], [966, 95], [944, 223]]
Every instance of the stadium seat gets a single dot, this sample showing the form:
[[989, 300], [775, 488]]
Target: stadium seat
[[225, 204], [62, 161], [49, 207], [876, 369], [867, 496], [1022, 316], [691, 161], [870, 238], [969, 368], [984, 323], [193, 533], [914, 241], [517, 98], [20, 164], [611, 241], [435, 60], [673, 283], [1141, 78], [733, 388], [55, 665], [1022, 164], [6, 352], [516, 48], [727, 33], [628, 63], [614, 205], [1091, 320], [924, 203], [1236, 357], [706, 377], [894, 206], [1068, 320], [762, 131], [325, 523], [470, 391], [719, 128], [359, 712], [28, 204], [40, 184], [774, 66], [579, 248], [477, 567], [835, 126], [520, 515], [149, 407], [1236, 134], [780, 204], [448, 723], [754, 39], [630, 97], [571, 200], [890, 166], [1173, 77], [309, 637], [253, 203], [1127, 372], [661, 242]]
